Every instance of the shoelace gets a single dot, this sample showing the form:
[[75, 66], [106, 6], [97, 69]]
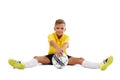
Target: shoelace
[[17, 62], [105, 60]]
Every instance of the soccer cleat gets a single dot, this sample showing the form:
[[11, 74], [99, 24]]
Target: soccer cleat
[[16, 64], [106, 63]]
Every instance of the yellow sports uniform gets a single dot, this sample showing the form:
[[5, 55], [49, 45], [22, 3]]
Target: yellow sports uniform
[[60, 42]]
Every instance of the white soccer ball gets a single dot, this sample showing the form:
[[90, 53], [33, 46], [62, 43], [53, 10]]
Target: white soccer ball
[[60, 62]]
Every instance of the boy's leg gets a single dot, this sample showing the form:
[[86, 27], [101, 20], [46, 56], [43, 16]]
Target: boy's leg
[[74, 60], [42, 59], [84, 63], [37, 60], [32, 63], [92, 65]]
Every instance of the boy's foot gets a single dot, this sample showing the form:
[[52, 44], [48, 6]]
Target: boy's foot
[[106, 63], [16, 64]]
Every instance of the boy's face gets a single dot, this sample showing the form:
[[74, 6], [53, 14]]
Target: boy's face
[[59, 29]]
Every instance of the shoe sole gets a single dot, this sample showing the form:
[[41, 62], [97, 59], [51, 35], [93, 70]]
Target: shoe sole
[[109, 62], [12, 62]]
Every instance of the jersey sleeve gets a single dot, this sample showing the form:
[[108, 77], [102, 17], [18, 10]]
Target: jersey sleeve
[[66, 39], [50, 38]]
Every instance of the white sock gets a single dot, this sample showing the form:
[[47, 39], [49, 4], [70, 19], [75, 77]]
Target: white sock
[[31, 63], [88, 64]]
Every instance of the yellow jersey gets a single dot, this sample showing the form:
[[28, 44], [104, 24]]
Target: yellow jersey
[[60, 42]]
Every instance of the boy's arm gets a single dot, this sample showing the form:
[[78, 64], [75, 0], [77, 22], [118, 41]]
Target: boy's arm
[[65, 46], [52, 43], [59, 50]]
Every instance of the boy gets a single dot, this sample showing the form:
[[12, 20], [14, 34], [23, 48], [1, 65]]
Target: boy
[[58, 43]]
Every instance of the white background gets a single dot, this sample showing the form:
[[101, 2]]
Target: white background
[[93, 27]]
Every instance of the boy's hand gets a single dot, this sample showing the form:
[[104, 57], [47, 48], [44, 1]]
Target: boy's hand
[[59, 52]]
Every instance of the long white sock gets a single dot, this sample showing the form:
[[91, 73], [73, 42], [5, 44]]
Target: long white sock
[[88, 64], [31, 63]]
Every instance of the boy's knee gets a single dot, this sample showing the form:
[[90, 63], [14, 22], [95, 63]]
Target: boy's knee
[[35, 57], [38, 58], [81, 60]]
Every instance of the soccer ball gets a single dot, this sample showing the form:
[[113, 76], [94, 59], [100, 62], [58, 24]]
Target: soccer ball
[[60, 62]]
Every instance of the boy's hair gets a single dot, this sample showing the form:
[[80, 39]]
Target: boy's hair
[[59, 21]]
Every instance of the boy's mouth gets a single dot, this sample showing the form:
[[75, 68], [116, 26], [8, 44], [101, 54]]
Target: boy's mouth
[[59, 33]]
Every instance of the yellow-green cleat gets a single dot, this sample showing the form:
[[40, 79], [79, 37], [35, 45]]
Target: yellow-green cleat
[[106, 63], [16, 64]]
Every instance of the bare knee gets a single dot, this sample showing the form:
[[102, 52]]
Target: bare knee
[[73, 61], [35, 57], [42, 59], [81, 60]]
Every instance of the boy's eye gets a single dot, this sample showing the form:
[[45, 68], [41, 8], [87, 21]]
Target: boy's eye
[[62, 28], [57, 28]]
